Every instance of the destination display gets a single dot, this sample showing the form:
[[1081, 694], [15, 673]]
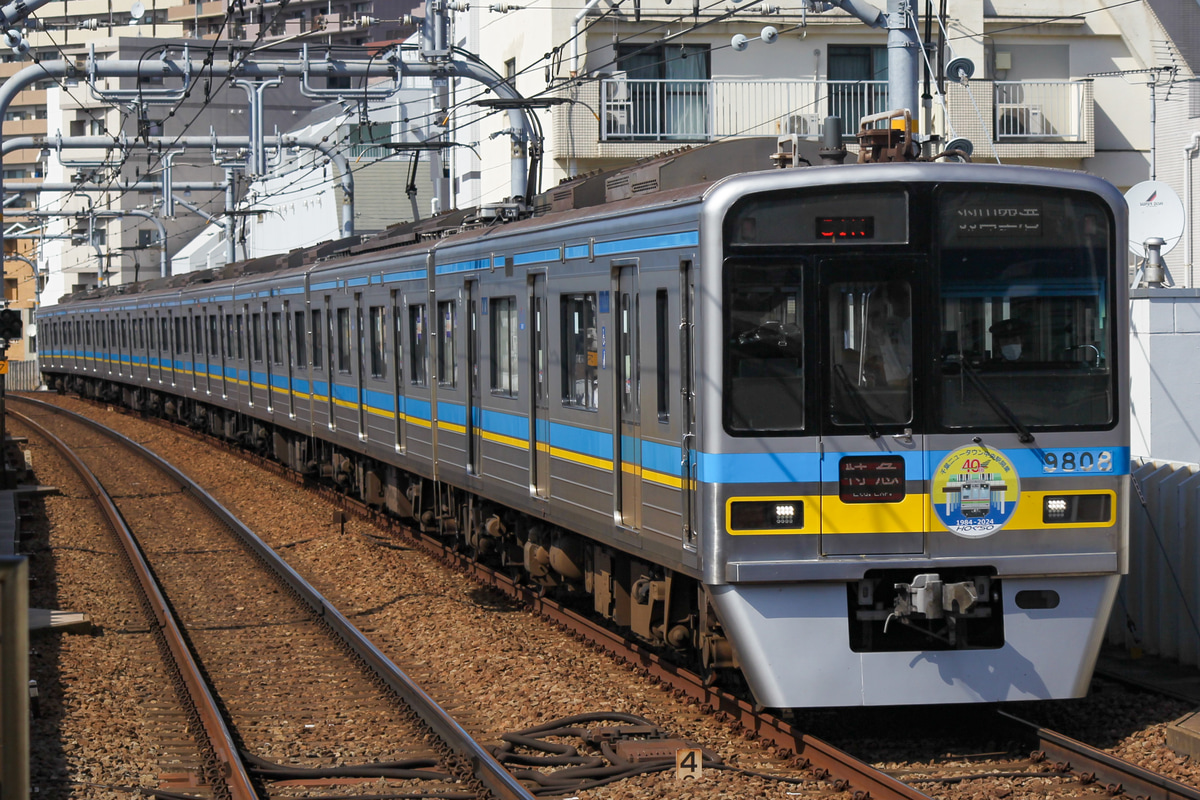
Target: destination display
[[871, 479]]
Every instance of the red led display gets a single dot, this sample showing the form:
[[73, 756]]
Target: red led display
[[841, 228]]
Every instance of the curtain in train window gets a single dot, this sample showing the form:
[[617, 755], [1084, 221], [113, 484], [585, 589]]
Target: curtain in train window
[[580, 352], [505, 332]]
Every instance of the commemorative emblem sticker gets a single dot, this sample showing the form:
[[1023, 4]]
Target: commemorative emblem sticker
[[975, 491]]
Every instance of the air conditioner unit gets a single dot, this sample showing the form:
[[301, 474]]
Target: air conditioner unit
[[617, 88], [1019, 120], [616, 121], [804, 124]]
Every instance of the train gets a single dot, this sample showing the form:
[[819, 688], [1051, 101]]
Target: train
[[839, 434]]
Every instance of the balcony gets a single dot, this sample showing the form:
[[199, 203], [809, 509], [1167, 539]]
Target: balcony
[[1019, 119]]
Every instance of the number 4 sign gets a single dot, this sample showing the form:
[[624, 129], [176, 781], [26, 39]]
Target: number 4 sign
[[688, 764]]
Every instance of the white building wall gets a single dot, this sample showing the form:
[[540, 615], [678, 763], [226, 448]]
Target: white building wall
[[1164, 384]]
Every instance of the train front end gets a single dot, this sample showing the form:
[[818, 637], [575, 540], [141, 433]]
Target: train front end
[[913, 453]]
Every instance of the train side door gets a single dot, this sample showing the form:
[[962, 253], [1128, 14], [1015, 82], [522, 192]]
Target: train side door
[[687, 389], [873, 473], [628, 448], [539, 417], [473, 396], [398, 315]]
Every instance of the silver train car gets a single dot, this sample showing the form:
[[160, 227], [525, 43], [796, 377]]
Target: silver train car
[[856, 435]]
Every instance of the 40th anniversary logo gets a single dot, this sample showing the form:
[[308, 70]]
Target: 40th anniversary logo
[[975, 491]]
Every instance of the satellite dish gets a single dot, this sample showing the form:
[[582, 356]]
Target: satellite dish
[[137, 10], [1154, 211]]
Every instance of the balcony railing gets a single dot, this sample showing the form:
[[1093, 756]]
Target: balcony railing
[[1024, 112], [700, 111], [1046, 111]]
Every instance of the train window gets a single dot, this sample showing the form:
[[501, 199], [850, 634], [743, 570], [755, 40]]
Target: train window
[[417, 328], [277, 337], [230, 331], [447, 364], [125, 334], [580, 352], [630, 366], [214, 336], [198, 335], [764, 353], [164, 334], [256, 348], [662, 349], [870, 343], [398, 357], [343, 340], [318, 341], [505, 331], [1025, 319], [112, 334], [378, 341], [151, 330], [301, 350], [241, 353], [179, 328]]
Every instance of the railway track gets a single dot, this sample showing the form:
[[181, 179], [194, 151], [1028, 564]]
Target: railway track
[[1034, 765], [284, 688]]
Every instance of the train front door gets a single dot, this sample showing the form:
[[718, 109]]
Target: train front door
[[874, 478]]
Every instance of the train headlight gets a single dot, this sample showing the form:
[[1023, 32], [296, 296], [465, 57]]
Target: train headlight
[[1065, 509], [765, 515]]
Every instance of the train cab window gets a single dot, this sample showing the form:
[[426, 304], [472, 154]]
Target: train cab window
[[504, 335], [580, 352], [417, 329], [277, 340], [214, 336], [256, 343], [447, 364], [301, 350], [378, 334], [344, 342], [764, 352], [1026, 332], [870, 343], [318, 341]]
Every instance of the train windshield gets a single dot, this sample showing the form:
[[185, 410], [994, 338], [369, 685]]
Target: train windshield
[[1025, 320], [764, 353]]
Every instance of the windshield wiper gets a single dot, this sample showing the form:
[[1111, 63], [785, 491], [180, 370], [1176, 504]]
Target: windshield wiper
[[857, 398], [1002, 411]]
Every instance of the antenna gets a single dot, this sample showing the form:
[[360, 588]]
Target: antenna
[[1155, 211]]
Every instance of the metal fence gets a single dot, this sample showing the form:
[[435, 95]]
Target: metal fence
[[1158, 608], [23, 376], [1039, 111]]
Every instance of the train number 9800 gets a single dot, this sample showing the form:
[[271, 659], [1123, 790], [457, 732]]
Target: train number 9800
[[1077, 461]]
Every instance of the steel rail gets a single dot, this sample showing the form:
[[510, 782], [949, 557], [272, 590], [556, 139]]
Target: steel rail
[[486, 769], [1091, 765], [231, 770]]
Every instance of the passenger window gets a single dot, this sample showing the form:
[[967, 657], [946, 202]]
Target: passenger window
[[277, 336], [198, 338], [318, 341], [662, 349], [580, 352], [378, 342], [214, 336], [230, 333], [241, 351], [343, 340], [301, 350], [447, 365], [398, 342], [417, 329], [256, 349], [505, 333]]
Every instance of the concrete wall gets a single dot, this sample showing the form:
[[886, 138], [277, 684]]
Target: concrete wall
[[1164, 376]]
